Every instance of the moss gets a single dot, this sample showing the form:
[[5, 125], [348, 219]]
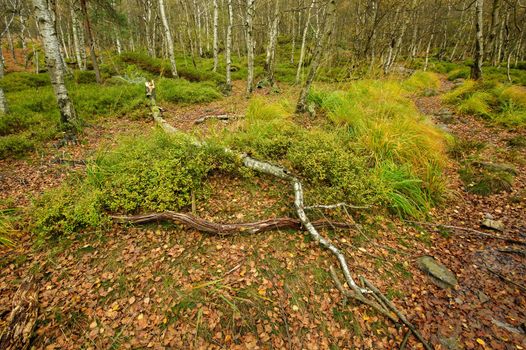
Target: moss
[[486, 178], [459, 73]]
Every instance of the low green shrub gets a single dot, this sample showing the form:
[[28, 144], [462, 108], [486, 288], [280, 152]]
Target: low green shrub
[[18, 81], [84, 77], [185, 92], [15, 145], [151, 173], [459, 73]]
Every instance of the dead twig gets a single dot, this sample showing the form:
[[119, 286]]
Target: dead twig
[[337, 205], [506, 279], [404, 341], [470, 230], [397, 312], [222, 117]]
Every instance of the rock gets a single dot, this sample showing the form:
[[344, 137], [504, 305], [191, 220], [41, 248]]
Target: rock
[[440, 274], [508, 327], [497, 225], [451, 343], [482, 297]]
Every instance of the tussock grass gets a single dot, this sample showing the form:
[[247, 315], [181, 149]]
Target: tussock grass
[[499, 103], [421, 81]]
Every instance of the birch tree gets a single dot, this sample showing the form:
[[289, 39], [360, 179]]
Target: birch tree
[[476, 69], [3, 102], [303, 42], [68, 116], [168, 37], [301, 106], [271, 47], [90, 41], [216, 40], [250, 44], [228, 49]]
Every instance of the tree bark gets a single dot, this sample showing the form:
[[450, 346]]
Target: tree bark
[[3, 102], [316, 59], [68, 116], [476, 69], [228, 50], [168, 38], [271, 48], [216, 39], [90, 41], [250, 44], [303, 42]]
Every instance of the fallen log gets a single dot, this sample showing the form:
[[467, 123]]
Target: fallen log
[[21, 320], [222, 229], [221, 117]]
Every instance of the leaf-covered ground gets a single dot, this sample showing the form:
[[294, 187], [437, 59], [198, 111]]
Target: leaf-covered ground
[[164, 286]]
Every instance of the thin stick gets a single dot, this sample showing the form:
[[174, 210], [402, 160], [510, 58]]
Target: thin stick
[[397, 312], [337, 205], [521, 287], [470, 230], [404, 341]]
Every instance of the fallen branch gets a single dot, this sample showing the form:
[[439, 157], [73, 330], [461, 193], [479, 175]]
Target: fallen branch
[[357, 293], [337, 205], [472, 231], [203, 225], [506, 279], [222, 117]]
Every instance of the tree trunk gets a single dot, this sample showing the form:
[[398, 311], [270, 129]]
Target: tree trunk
[[168, 37], [476, 69], [303, 42], [216, 39], [250, 44], [492, 33], [271, 48], [68, 116], [3, 103], [90, 41], [316, 59], [228, 51]]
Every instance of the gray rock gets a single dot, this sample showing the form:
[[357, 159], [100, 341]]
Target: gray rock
[[440, 275], [482, 297], [450, 343], [497, 225]]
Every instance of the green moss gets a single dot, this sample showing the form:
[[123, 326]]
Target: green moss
[[486, 178]]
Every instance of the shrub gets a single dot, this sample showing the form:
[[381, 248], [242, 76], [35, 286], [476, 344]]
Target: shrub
[[15, 145], [185, 92], [84, 77], [18, 81], [154, 172], [460, 73]]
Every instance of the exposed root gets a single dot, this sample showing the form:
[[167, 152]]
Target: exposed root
[[224, 229]]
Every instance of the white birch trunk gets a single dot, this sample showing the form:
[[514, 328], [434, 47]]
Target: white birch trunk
[[303, 42], [271, 48], [216, 41], [228, 53], [250, 44], [68, 115], [168, 37], [3, 103]]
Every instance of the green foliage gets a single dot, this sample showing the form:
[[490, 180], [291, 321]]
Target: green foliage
[[378, 151], [421, 81], [8, 218], [18, 81], [501, 104], [459, 73], [15, 145], [155, 172], [183, 91], [84, 77], [486, 178]]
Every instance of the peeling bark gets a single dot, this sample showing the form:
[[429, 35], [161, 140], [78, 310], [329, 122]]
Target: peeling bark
[[168, 38]]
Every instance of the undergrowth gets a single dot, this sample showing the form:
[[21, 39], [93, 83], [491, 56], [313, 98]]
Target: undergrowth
[[502, 104], [154, 172]]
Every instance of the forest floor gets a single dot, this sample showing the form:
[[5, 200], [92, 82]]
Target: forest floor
[[165, 286]]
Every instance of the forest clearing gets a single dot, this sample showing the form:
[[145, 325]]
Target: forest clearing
[[262, 174]]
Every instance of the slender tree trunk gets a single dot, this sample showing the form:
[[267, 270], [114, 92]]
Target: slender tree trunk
[[228, 52], [476, 69], [316, 59], [68, 116], [3, 103], [90, 41], [303, 42], [271, 48], [216, 39], [250, 44], [492, 33], [10, 41], [168, 37]]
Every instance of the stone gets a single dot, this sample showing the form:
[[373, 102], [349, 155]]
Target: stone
[[482, 297], [450, 343], [440, 274], [496, 225]]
